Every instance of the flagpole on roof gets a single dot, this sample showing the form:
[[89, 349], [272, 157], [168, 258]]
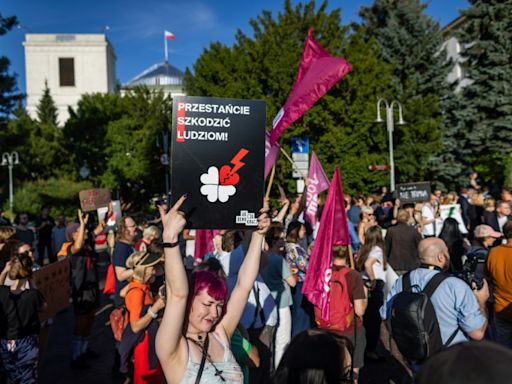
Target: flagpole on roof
[[166, 53]]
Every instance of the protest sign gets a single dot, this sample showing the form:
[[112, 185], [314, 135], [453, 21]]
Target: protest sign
[[218, 150], [450, 210], [413, 192], [92, 199], [117, 213], [53, 282]]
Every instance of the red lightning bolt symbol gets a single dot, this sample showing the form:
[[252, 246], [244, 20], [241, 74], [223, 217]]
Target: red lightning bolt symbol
[[237, 160]]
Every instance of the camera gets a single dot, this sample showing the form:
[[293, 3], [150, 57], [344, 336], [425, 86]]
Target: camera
[[470, 273]]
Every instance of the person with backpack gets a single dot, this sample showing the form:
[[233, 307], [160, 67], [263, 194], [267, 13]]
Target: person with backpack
[[348, 301], [429, 302]]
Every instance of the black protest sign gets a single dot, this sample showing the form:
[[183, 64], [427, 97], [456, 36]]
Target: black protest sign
[[218, 159], [413, 192]]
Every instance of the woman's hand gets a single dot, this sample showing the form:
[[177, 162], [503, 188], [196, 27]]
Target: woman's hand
[[263, 219], [7, 268], [173, 221], [158, 305], [82, 218]]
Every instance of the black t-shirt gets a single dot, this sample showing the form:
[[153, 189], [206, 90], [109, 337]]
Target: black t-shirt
[[19, 313], [121, 253], [45, 224]]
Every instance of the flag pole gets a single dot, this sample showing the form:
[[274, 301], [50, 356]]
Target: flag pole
[[270, 181], [165, 45], [351, 256]]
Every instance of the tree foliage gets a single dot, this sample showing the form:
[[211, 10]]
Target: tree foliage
[[46, 109], [340, 125], [411, 41], [485, 106], [9, 95]]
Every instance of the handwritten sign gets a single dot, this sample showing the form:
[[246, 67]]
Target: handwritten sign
[[53, 282], [92, 199], [413, 192]]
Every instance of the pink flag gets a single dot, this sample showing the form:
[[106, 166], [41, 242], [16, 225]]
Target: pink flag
[[318, 72], [271, 152], [169, 35], [333, 230], [318, 182], [204, 243]]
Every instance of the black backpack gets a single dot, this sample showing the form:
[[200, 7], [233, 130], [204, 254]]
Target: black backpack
[[414, 325]]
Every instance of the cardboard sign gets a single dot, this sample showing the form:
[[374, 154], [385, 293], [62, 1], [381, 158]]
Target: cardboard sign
[[53, 282], [218, 149], [455, 212], [116, 218], [92, 199], [413, 192]]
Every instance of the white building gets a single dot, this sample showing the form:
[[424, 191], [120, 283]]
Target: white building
[[72, 64]]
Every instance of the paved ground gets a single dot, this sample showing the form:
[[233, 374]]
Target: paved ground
[[55, 365]]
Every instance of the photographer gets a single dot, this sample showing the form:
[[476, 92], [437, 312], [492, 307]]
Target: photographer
[[460, 309]]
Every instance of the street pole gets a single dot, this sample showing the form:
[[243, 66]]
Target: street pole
[[390, 128], [10, 160]]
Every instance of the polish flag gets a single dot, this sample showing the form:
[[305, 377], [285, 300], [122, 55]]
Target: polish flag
[[169, 35]]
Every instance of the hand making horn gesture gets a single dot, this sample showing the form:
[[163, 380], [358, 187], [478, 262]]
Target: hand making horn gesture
[[173, 221]]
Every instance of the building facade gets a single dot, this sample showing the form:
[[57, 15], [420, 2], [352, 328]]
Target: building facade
[[72, 65]]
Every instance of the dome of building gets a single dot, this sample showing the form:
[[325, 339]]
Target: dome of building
[[161, 76]]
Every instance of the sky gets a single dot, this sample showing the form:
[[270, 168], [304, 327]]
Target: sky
[[136, 28]]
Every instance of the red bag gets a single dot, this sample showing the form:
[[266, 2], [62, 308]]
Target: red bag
[[119, 319], [341, 310], [110, 281]]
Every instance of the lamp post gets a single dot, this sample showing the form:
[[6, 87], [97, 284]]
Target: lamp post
[[10, 160], [390, 128]]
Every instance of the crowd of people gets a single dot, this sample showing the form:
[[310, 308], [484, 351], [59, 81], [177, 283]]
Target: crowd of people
[[234, 311]]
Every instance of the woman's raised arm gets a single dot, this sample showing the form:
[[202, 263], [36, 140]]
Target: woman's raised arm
[[170, 330], [247, 275]]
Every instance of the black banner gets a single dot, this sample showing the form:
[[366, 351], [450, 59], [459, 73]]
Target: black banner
[[413, 192], [218, 159]]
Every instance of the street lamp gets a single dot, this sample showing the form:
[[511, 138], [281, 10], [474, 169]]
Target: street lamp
[[10, 160], [390, 127]]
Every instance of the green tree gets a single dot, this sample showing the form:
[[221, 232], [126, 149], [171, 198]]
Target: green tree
[[40, 146], [85, 132], [46, 109], [9, 95], [411, 42], [485, 106], [264, 67], [133, 165]]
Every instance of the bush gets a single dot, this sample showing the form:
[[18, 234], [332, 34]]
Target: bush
[[60, 195]]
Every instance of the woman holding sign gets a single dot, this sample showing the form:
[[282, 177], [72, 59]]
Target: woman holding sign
[[199, 320]]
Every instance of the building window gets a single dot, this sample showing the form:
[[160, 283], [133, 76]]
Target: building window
[[67, 72]]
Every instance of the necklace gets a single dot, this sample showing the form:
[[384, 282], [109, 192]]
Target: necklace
[[203, 346]]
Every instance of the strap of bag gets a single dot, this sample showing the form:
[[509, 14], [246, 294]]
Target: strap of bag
[[429, 290], [406, 282], [434, 282], [203, 359]]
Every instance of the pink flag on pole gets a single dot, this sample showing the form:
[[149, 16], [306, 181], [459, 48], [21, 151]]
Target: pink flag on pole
[[271, 152], [203, 243], [318, 182], [318, 72], [169, 35], [333, 230]]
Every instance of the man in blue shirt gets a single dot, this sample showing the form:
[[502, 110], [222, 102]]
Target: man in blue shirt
[[457, 306]]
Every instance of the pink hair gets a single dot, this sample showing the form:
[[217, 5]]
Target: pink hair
[[214, 285]]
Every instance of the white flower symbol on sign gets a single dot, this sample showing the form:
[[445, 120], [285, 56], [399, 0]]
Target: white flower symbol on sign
[[212, 188]]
